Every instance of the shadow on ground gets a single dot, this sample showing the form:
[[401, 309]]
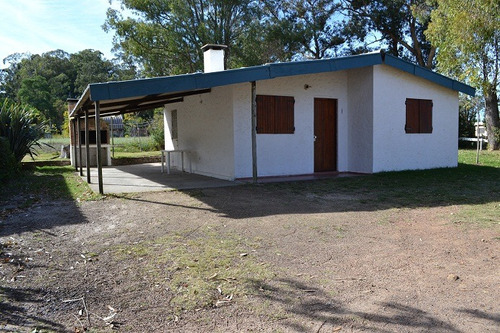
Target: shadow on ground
[[413, 189], [304, 303], [15, 317]]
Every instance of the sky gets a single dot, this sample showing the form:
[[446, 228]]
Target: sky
[[38, 26]]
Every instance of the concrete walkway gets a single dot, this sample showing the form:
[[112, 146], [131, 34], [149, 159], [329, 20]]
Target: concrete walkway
[[148, 177]]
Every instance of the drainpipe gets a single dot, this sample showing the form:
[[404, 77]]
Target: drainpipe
[[254, 132]]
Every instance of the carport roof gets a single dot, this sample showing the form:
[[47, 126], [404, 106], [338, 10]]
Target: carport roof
[[144, 94]]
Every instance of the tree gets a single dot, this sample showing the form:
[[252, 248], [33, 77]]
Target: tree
[[467, 116], [165, 37], [468, 36], [90, 66], [400, 24], [35, 91], [308, 27], [46, 81]]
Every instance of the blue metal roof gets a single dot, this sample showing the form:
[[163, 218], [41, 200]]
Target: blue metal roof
[[199, 81]]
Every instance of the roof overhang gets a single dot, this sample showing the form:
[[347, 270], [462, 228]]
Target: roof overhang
[[145, 94]]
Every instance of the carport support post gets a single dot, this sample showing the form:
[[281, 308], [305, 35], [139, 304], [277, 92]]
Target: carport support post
[[254, 132], [73, 123], [79, 145], [87, 145], [98, 142]]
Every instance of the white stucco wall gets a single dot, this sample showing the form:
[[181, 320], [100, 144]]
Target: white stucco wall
[[205, 129], [393, 149], [360, 120], [289, 154]]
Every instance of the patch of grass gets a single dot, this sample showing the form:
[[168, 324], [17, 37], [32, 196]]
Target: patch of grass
[[475, 187], [48, 182], [198, 269], [486, 158], [123, 154], [134, 144]]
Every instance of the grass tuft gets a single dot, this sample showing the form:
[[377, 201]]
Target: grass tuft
[[196, 270]]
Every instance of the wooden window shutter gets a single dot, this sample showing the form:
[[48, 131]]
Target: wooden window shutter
[[275, 114], [412, 119], [425, 116], [418, 116]]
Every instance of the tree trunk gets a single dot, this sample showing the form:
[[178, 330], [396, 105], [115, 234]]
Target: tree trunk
[[492, 118]]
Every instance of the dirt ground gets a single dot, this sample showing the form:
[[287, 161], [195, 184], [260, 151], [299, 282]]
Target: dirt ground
[[334, 263]]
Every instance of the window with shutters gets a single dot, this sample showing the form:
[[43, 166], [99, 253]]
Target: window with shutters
[[418, 116], [275, 114]]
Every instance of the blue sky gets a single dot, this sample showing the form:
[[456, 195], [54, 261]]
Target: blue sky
[[38, 26]]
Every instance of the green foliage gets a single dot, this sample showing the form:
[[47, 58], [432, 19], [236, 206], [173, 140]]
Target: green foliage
[[400, 23], [157, 131], [18, 124], [468, 36], [467, 116], [8, 165], [306, 26], [46, 81], [166, 36]]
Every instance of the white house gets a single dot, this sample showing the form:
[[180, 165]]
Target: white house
[[366, 113]]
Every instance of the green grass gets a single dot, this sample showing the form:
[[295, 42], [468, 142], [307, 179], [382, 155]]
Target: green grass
[[125, 147], [476, 188], [48, 182], [122, 154], [486, 158]]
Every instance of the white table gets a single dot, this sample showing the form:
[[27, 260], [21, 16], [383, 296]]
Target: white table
[[168, 152]]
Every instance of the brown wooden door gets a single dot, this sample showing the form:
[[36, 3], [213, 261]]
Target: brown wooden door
[[325, 134]]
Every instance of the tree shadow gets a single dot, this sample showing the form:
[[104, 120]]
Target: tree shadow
[[38, 203], [494, 318], [17, 316], [311, 303]]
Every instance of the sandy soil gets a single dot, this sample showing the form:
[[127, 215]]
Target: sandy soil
[[339, 264]]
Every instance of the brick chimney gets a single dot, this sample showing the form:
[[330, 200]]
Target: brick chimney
[[213, 57]]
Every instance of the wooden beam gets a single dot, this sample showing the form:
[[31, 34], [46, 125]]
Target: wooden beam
[[254, 132], [79, 145], [87, 145], [73, 123], [138, 104], [98, 142]]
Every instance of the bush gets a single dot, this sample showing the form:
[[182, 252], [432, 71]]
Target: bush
[[157, 131], [8, 165], [19, 126]]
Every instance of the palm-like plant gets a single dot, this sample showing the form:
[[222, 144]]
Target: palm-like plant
[[18, 124]]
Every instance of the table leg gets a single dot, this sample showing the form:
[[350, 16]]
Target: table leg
[[182, 162], [168, 162], [162, 161]]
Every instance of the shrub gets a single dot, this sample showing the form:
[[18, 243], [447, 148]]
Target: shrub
[[8, 165], [157, 131], [19, 126]]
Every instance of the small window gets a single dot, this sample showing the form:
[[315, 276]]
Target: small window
[[418, 116], [174, 132], [275, 114]]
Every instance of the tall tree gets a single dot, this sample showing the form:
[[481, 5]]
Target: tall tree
[[165, 36], [467, 33], [90, 66], [309, 27], [400, 24]]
